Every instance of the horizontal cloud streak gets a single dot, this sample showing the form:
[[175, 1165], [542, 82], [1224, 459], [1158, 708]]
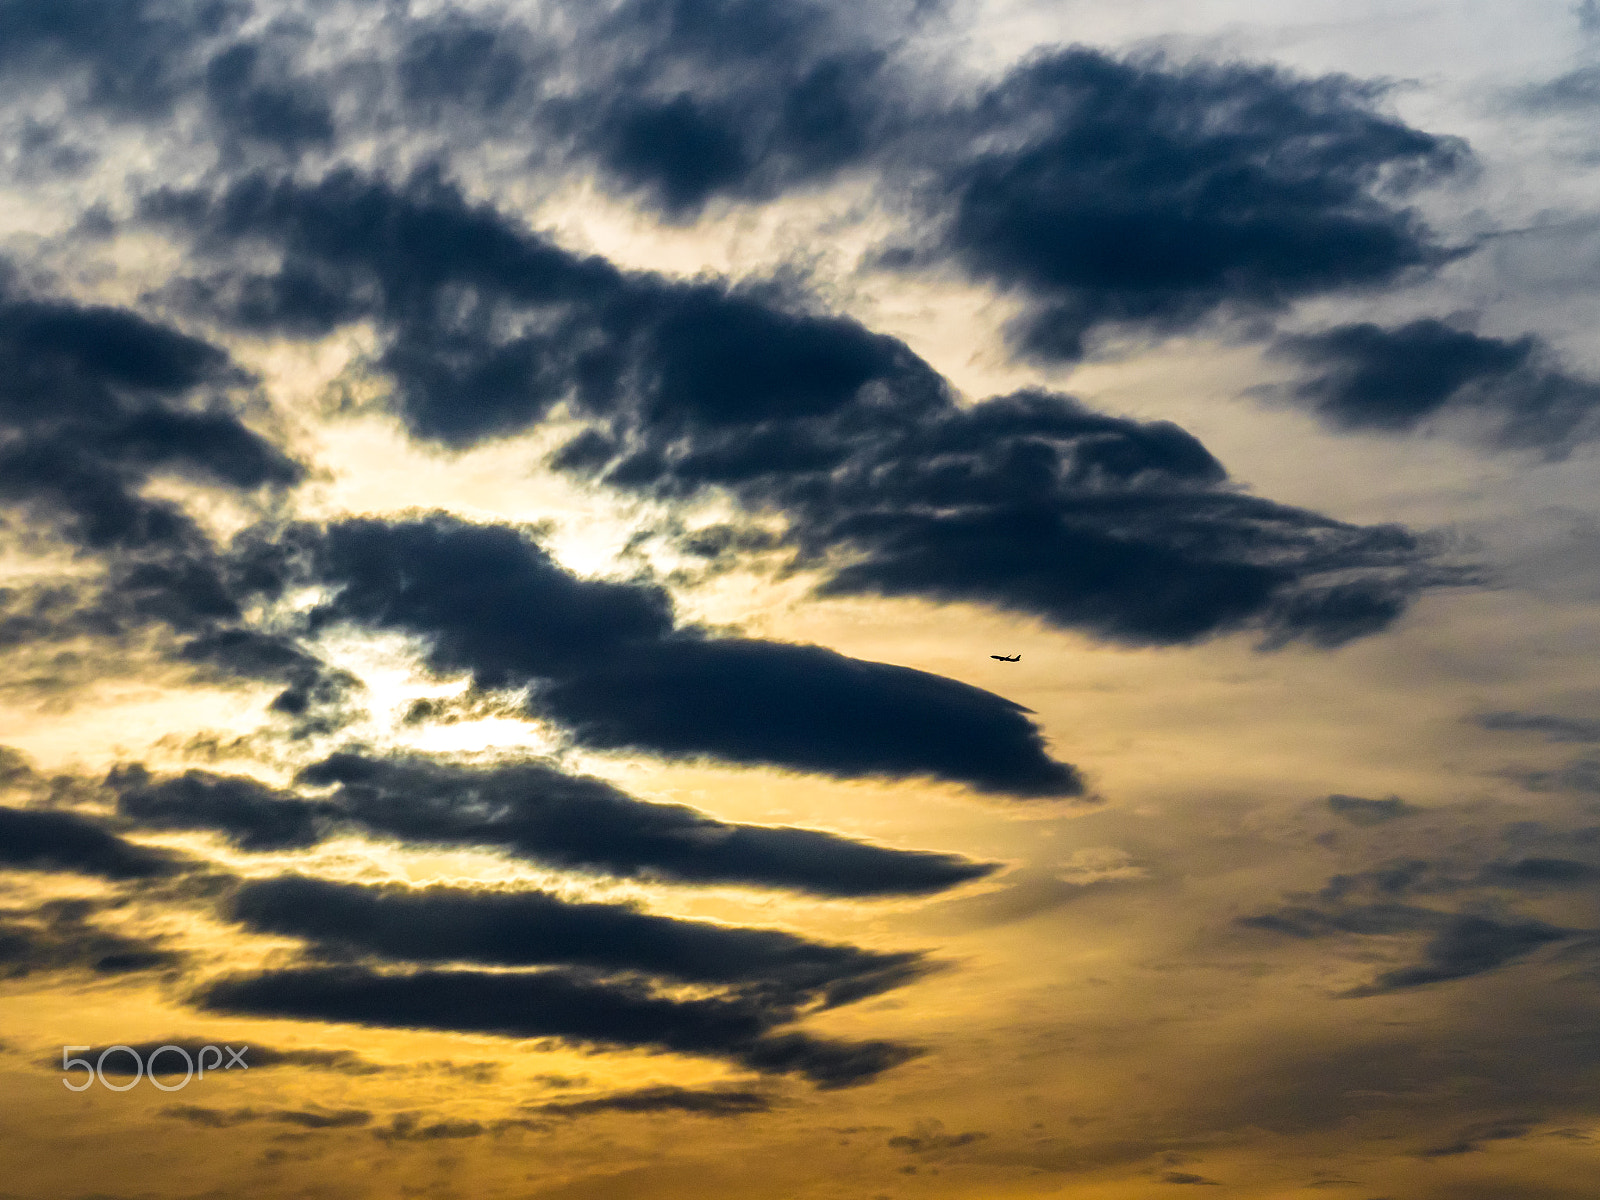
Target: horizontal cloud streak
[[535, 811], [705, 1102], [58, 937], [555, 1004], [442, 924], [41, 840]]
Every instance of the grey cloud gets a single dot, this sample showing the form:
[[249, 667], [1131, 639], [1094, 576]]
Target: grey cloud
[[219, 1118], [1473, 1137], [409, 1127], [57, 936], [1461, 944], [1576, 90], [1555, 728], [929, 1137], [1579, 775], [666, 1098], [1360, 811], [1467, 946], [1541, 872]]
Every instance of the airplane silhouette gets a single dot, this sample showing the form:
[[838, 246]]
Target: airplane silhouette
[[1003, 658]]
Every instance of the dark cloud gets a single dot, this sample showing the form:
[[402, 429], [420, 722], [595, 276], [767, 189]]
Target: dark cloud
[[666, 1098], [1541, 872], [471, 705], [253, 815], [1466, 946], [1367, 377], [1395, 878], [129, 57], [603, 656], [1555, 728], [46, 147], [1390, 900], [1359, 811], [929, 1137], [94, 400], [493, 324], [408, 1127], [1374, 901], [177, 608], [57, 936], [454, 62], [808, 708], [489, 597], [41, 840], [535, 811], [1581, 775], [1105, 190], [560, 1004], [1149, 193], [1473, 1137], [1029, 502], [318, 699], [1219, 186], [254, 97], [227, 1118], [1188, 1177], [443, 924], [778, 96], [680, 101], [140, 60], [1309, 921], [1033, 504], [120, 607], [828, 1063]]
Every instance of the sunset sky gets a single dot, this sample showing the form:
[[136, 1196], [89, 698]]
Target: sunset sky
[[507, 516]]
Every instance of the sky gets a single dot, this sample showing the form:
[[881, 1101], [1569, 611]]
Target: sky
[[513, 516]]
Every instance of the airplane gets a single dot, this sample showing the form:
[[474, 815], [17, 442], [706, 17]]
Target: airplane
[[1003, 658]]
